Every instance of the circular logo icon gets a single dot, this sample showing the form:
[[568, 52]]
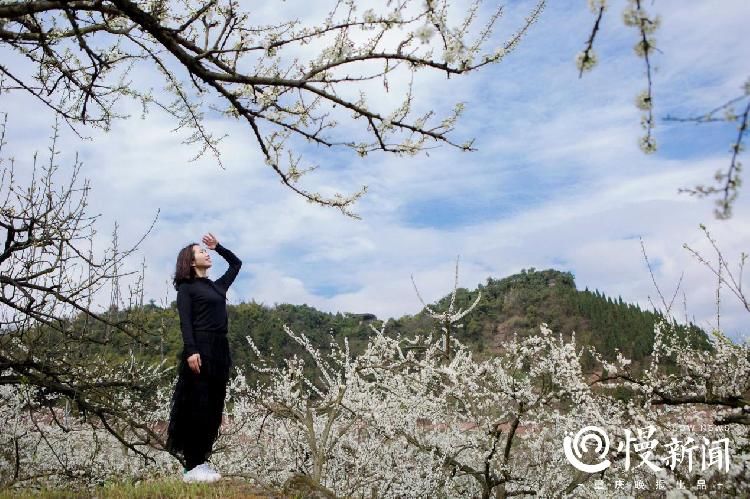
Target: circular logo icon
[[576, 447]]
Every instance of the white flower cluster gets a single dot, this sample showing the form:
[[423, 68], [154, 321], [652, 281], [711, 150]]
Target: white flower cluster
[[425, 33], [595, 5], [57, 445], [586, 61], [401, 419], [369, 16], [409, 417]]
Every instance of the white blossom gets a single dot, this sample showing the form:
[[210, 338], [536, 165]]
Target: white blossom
[[424, 33], [369, 16]]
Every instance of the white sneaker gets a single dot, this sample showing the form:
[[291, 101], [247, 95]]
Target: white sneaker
[[200, 474], [208, 469]]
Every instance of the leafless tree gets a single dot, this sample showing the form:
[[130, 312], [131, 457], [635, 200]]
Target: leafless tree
[[54, 339]]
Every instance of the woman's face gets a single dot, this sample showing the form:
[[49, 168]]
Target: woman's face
[[201, 258]]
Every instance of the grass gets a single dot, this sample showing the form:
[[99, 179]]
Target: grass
[[158, 488]]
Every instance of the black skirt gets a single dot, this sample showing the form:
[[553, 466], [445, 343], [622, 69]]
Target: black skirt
[[198, 400]]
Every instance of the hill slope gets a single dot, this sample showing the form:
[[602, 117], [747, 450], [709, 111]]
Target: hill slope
[[513, 305]]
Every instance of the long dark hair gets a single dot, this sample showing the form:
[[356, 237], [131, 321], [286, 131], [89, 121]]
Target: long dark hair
[[184, 270]]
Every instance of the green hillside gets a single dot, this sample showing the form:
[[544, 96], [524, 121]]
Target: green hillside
[[513, 305], [519, 303]]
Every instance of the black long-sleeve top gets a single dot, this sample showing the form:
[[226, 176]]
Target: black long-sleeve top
[[201, 302]]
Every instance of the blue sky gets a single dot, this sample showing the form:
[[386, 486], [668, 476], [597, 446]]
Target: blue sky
[[557, 181]]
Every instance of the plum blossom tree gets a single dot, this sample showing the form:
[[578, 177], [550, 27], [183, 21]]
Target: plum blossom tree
[[409, 416], [53, 337], [291, 81], [403, 418], [42, 444]]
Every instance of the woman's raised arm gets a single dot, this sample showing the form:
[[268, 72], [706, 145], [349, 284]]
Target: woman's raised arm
[[235, 264]]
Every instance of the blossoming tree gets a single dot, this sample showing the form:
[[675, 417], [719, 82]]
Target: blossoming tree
[[56, 378], [404, 418], [411, 417], [291, 81]]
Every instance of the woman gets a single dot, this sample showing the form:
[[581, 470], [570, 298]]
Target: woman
[[198, 400]]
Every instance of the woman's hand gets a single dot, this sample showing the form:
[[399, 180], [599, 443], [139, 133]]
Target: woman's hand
[[194, 361], [210, 241]]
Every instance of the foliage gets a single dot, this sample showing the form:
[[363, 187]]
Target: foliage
[[512, 305]]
